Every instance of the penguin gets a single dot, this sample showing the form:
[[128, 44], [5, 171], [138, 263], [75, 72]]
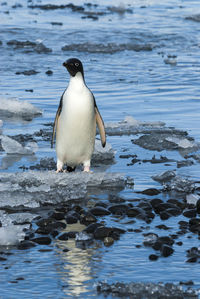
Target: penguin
[[75, 121]]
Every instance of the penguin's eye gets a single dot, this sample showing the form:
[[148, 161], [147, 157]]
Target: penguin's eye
[[76, 64]]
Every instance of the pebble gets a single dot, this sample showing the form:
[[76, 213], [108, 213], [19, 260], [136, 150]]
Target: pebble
[[63, 237], [88, 218], [190, 213], [119, 209], [150, 191], [153, 257], [166, 250], [108, 241]]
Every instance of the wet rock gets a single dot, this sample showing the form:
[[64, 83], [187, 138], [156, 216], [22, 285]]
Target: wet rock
[[92, 227], [40, 48], [193, 255], [194, 225], [119, 209], [184, 163], [135, 211], [166, 250], [56, 23], [58, 215], [151, 191], [25, 245], [49, 73], [162, 226], [50, 225], [109, 48], [150, 239], [54, 6], [108, 241], [145, 290], [153, 257], [190, 213], [155, 203], [99, 211], [27, 73], [164, 215], [29, 46], [88, 219], [63, 237], [198, 206], [70, 219], [195, 18], [102, 232], [42, 240]]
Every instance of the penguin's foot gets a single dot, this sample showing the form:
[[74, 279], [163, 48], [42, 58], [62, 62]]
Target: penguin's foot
[[59, 170], [87, 169]]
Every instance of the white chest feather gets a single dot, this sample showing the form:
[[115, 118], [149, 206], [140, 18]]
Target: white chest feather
[[77, 125]]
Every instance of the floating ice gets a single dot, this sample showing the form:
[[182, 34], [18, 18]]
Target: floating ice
[[192, 199], [11, 235], [182, 142], [11, 146], [34, 188], [10, 107], [103, 154], [130, 126], [173, 182]]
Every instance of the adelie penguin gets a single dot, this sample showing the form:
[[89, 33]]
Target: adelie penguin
[[75, 121]]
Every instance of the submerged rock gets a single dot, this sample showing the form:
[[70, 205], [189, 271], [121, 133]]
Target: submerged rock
[[146, 290]]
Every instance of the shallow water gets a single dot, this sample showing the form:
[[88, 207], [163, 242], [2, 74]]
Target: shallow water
[[141, 59]]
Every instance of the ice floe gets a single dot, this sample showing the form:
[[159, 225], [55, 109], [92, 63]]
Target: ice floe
[[11, 146], [173, 182], [14, 108], [34, 188]]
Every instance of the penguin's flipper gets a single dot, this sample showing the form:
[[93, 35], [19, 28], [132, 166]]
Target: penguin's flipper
[[101, 127], [56, 121]]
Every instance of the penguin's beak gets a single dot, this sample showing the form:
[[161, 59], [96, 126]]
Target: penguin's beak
[[65, 64]]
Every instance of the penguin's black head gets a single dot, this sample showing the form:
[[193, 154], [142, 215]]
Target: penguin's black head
[[73, 65]]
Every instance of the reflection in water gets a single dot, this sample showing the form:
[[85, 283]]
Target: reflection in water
[[78, 268]]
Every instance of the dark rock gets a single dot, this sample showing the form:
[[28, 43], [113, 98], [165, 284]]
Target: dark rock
[[198, 206], [101, 204], [71, 219], [151, 191], [29, 90], [194, 225], [63, 237], [40, 48], [166, 250], [54, 233], [179, 243], [56, 23], [102, 232], [2, 259], [153, 257], [190, 213], [25, 245], [58, 215], [166, 240], [50, 224], [192, 260], [72, 234], [27, 73], [49, 73], [42, 240], [155, 202], [162, 226], [174, 211], [178, 203], [119, 209], [145, 205], [92, 227], [164, 215], [88, 218], [135, 211], [115, 199], [150, 239], [108, 241], [99, 211]]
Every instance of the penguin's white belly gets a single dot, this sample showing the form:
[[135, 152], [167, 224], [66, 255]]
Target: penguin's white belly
[[76, 129]]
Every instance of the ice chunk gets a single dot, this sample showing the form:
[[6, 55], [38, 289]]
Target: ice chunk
[[11, 146], [173, 182], [192, 199], [103, 154], [182, 142], [34, 188], [165, 176], [167, 139], [11, 107], [130, 126], [1, 123]]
